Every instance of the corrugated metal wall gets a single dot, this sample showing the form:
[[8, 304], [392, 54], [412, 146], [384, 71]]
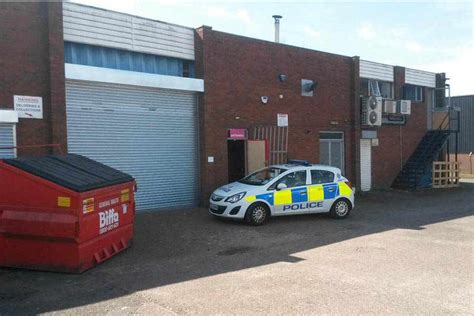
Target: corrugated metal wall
[[420, 78], [146, 132], [89, 25], [7, 139], [466, 135], [372, 70]]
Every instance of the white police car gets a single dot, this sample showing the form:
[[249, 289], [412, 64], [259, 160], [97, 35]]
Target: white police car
[[295, 188]]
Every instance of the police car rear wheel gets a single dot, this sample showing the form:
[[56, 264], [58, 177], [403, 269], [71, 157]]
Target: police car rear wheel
[[340, 209], [256, 214]]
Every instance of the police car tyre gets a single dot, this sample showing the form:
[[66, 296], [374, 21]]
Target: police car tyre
[[257, 214], [340, 209]]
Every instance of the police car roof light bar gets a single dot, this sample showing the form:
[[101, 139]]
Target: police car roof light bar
[[298, 162]]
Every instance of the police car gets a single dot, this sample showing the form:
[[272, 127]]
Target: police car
[[294, 188]]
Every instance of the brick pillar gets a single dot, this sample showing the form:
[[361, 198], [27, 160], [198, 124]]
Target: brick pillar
[[58, 120], [356, 128], [398, 81], [200, 59]]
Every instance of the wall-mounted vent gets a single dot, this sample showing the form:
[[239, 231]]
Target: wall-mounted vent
[[389, 106], [405, 106]]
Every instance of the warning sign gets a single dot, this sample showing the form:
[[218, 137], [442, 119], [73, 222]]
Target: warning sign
[[28, 107]]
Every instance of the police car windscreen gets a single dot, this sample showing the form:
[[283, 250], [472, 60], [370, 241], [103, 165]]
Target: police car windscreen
[[262, 177]]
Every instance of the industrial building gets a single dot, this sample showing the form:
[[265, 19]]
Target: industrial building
[[186, 110]]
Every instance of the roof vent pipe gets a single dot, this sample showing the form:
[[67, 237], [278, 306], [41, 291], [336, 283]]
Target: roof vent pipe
[[277, 27]]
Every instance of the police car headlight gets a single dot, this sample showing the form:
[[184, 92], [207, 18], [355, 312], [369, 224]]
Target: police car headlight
[[236, 197]]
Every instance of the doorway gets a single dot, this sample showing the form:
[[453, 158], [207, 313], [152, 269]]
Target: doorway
[[331, 149], [236, 159], [365, 164]]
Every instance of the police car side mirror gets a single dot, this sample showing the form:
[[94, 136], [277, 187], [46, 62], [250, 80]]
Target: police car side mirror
[[281, 186]]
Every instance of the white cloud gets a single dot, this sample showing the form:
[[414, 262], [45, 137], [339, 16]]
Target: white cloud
[[222, 12], [459, 68], [244, 16], [314, 34], [366, 31], [414, 47]]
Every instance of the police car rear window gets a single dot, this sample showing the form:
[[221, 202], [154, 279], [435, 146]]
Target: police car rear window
[[321, 176], [262, 177]]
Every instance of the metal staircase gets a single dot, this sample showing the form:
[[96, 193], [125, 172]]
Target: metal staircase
[[417, 171]]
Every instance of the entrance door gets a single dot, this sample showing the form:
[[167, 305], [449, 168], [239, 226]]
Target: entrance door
[[256, 155], [365, 164], [331, 149], [236, 159]]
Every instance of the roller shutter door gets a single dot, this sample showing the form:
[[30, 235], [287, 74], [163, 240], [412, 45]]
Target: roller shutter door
[[7, 139], [146, 132]]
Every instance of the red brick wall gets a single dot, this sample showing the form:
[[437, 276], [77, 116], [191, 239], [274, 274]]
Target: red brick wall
[[32, 63], [397, 142], [466, 163], [238, 71]]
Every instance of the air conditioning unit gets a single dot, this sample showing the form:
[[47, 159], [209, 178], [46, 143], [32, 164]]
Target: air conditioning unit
[[404, 106], [389, 106], [371, 111]]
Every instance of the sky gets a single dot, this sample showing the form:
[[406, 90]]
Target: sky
[[431, 36]]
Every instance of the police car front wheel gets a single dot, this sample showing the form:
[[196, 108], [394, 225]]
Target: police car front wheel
[[340, 209], [257, 214]]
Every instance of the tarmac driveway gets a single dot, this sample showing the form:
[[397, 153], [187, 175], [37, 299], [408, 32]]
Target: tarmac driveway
[[399, 252]]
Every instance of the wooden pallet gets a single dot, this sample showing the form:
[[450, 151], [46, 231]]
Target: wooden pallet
[[445, 174]]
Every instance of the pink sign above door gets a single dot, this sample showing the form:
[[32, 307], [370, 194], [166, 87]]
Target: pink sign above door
[[237, 133]]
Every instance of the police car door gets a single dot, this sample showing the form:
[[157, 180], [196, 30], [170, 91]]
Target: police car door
[[322, 191], [294, 197]]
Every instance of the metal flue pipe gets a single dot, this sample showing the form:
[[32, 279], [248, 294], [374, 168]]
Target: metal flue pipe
[[277, 27]]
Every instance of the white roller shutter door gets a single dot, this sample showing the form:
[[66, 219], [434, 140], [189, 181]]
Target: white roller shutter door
[[7, 139], [146, 132]]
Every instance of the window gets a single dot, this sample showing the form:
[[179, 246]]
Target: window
[[294, 179], [90, 55], [370, 87], [321, 176], [262, 177], [413, 93], [186, 71]]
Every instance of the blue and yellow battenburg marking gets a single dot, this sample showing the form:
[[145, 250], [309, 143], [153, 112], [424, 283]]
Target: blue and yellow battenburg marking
[[311, 193]]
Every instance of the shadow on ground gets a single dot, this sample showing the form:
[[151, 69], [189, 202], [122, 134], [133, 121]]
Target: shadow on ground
[[172, 247]]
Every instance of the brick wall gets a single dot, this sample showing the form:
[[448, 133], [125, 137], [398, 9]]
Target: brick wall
[[397, 142], [32, 63], [239, 70]]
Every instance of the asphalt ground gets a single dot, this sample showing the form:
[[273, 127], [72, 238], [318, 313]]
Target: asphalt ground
[[398, 253]]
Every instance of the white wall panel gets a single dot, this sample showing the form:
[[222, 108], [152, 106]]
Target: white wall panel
[[89, 25], [365, 164], [98, 74], [372, 70], [420, 78]]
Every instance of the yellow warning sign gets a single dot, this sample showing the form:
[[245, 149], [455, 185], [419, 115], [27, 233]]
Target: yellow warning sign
[[64, 201], [125, 195]]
